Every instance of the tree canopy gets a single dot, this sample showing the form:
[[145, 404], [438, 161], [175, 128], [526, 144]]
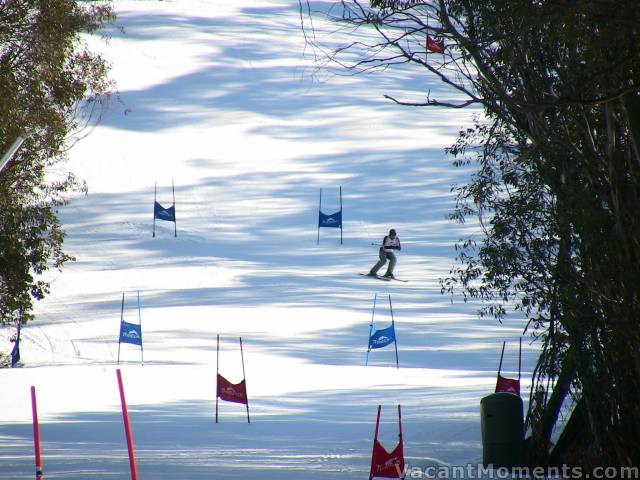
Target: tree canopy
[[51, 86]]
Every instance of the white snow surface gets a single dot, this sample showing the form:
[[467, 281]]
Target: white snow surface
[[225, 98]]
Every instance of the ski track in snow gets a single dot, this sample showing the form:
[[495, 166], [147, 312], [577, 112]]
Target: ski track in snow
[[225, 99]]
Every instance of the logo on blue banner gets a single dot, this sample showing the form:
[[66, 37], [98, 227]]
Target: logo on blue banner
[[161, 213], [382, 338], [130, 333], [332, 221]]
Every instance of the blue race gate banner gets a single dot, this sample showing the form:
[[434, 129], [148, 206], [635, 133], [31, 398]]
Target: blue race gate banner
[[130, 333], [330, 221], [162, 213], [382, 338], [166, 214]]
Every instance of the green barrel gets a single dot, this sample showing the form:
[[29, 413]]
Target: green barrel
[[502, 425]]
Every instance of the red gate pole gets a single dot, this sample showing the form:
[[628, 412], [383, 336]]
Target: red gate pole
[[217, 372], [501, 357], [36, 435], [520, 360], [395, 341], [127, 429], [375, 439], [500, 365], [244, 376]]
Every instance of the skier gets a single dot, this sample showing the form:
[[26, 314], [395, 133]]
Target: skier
[[390, 244]]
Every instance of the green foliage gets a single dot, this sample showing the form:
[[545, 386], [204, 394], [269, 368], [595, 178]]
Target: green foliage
[[511, 266], [49, 80]]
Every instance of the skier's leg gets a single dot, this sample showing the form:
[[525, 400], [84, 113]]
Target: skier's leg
[[392, 264], [380, 264]]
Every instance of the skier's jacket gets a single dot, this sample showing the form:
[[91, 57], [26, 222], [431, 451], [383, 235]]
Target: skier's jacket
[[390, 244]]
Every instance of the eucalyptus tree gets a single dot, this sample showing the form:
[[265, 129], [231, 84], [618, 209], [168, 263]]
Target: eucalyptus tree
[[51, 86]]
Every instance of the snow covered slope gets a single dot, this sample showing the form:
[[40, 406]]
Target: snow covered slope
[[223, 98]]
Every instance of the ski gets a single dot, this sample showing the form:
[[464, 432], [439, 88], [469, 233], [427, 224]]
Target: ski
[[386, 279], [375, 276], [399, 280]]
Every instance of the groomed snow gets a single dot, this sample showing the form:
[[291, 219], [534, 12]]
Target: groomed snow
[[224, 98]]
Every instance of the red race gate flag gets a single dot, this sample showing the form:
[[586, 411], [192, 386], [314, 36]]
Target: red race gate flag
[[509, 385], [434, 46], [227, 391], [232, 392], [387, 464]]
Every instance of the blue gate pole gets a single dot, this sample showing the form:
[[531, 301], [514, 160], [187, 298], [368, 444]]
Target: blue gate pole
[[341, 216], [120, 330], [395, 342], [155, 191], [319, 212], [175, 217], [140, 322], [366, 361]]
